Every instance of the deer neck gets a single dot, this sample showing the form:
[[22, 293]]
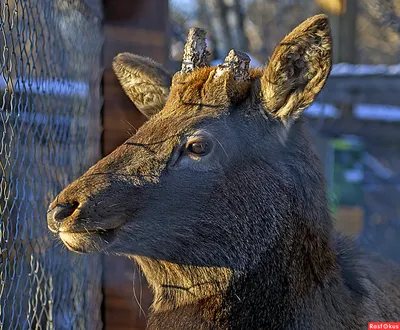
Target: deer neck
[[175, 285], [194, 297], [272, 283], [185, 296]]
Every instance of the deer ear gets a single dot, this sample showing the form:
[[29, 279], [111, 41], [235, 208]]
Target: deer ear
[[298, 69], [146, 82]]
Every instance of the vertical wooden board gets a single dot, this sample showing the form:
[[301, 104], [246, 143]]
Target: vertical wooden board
[[140, 27], [127, 295], [120, 117], [119, 39], [145, 14]]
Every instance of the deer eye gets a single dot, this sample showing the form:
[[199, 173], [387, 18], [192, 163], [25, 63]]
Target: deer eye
[[199, 148]]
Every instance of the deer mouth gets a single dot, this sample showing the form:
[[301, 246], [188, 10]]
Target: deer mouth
[[88, 241]]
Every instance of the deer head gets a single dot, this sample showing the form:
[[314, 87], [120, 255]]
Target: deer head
[[220, 174]]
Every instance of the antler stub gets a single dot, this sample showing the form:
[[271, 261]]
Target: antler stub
[[239, 63], [195, 52]]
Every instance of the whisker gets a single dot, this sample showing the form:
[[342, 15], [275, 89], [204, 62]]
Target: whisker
[[141, 290], [141, 310], [129, 124]]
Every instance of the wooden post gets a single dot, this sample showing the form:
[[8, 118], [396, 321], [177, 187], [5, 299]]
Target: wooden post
[[343, 17], [140, 27], [343, 27]]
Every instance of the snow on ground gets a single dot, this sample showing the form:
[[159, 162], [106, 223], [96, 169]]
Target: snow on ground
[[377, 112], [346, 69], [322, 110]]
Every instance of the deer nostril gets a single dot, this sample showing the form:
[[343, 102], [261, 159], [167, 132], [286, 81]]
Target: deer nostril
[[61, 212]]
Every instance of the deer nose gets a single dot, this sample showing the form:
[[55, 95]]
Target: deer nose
[[57, 215]]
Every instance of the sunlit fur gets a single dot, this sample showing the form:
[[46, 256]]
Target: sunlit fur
[[240, 238], [144, 81]]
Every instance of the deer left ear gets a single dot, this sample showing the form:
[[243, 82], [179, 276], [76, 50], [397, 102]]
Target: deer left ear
[[146, 82], [298, 69]]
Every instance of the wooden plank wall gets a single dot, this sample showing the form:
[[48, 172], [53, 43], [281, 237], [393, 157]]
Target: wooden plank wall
[[141, 27]]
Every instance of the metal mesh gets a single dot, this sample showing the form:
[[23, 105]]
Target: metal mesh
[[49, 134]]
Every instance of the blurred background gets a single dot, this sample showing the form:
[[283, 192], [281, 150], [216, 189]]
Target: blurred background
[[62, 108]]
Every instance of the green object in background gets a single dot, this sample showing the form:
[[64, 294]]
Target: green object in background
[[348, 172]]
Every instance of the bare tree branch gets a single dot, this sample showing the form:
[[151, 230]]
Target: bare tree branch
[[386, 13]]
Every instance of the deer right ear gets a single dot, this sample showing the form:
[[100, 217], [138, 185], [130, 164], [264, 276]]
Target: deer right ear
[[298, 69], [146, 82]]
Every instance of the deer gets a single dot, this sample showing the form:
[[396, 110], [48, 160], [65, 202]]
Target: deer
[[220, 198]]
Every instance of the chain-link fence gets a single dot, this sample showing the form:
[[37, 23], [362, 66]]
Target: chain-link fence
[[49, 134]]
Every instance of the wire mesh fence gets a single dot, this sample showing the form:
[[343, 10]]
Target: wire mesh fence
[[49, 134]]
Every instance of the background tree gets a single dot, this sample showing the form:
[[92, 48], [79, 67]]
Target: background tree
[[365, 31]]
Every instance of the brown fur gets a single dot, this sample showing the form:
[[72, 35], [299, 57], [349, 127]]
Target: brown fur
[[144, 81], [239, 237], [299, 68]]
